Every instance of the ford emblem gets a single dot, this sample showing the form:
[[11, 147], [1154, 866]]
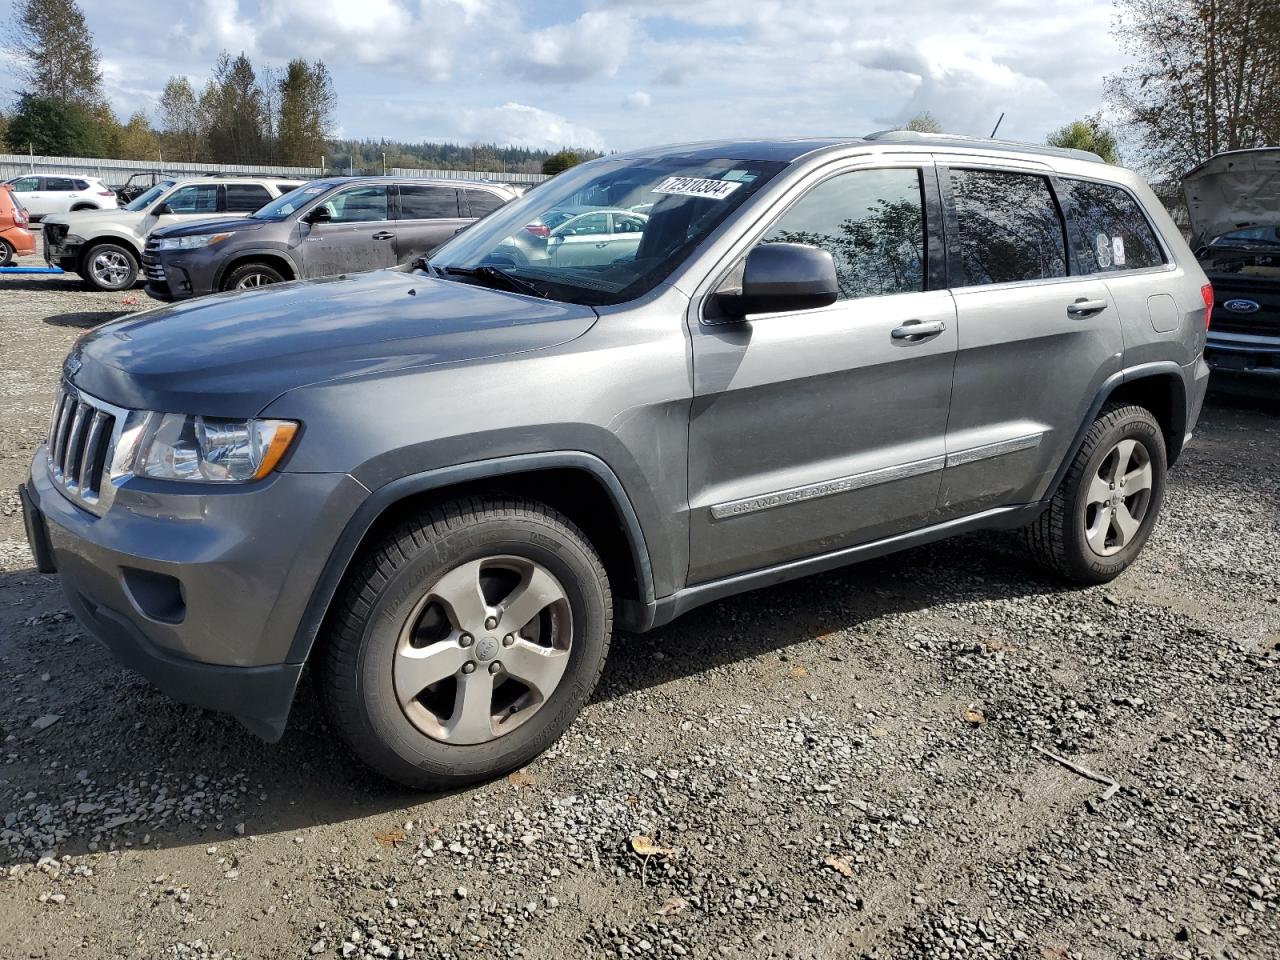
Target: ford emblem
[[1242, 306]]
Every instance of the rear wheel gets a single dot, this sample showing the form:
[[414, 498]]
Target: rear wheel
[[467, 642], [249, 276], [1103, 512], [109, 266], [6, 253]]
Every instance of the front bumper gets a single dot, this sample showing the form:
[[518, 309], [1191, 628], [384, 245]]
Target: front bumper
[[173, 276], [1240, 353], [200, 592]]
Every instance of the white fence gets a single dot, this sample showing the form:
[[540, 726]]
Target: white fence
[[117, 171]]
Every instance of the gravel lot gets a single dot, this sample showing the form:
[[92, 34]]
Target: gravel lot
[[841, 767]]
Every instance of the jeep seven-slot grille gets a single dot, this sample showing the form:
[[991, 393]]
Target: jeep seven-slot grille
[[80, 437]]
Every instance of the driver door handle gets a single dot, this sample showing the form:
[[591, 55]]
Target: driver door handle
[[384, 235], [914, 331], [1085, 308]]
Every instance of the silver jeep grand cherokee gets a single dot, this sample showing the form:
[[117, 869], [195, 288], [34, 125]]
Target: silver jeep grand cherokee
[[441, 486]]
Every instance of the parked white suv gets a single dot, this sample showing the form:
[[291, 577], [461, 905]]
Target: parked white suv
[[105, 247], [43, 195]]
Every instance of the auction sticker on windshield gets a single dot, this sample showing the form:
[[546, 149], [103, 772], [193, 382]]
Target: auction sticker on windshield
[[696, 187]]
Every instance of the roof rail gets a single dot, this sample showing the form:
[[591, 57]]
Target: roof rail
[[960, 140]]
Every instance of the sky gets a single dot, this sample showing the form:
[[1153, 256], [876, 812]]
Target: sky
[[621, 74]]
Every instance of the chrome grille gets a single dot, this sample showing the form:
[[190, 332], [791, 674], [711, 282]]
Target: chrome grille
[[152, 267], [82, 436]]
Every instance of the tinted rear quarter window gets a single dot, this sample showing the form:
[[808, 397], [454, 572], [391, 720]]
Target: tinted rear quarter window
[[1114, 233], [872, 224], [1010, 228], [420, 201], [246, 197]]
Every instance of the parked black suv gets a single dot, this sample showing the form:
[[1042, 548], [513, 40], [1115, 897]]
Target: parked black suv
[[1234, 203], [324, 228]]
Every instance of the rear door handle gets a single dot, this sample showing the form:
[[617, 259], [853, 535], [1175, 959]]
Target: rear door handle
[[383, 235], [1085, 308], [913, 331]]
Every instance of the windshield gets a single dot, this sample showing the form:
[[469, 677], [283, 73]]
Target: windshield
[[288, 203], [1268, 236], [605, 232], [142, 201]]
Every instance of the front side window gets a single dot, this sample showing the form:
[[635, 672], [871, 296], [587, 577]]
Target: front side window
[[246, 197], [584, 225], [483, 202], [420, 201], [1010, 228], [358, 205], [27, 184], [872, 224], [1114, 232], [142, 201], [197, 198]]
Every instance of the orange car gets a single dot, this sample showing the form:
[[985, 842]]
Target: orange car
[[15, 238]]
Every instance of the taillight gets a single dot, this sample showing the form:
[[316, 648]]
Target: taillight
[[106, 193], [538, 229], [1206, 294]]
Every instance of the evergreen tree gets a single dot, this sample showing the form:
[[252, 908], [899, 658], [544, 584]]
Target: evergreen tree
[[234, 105], [55, 52], [307, 103]]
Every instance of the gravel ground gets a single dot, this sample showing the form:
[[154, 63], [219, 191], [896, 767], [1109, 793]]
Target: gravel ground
[[840, 767]]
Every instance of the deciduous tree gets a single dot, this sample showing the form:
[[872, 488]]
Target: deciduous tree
[[1087, 134], [181, 122], [55, 53]]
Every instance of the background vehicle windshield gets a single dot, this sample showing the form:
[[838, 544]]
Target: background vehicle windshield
[[287, 203], [144, 200], [610, 230], [1266, 235]]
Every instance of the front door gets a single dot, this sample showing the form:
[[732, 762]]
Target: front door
[[30, 192], [1037, 339], [427, 216], [193, 202], [816, 430], [359, 234]]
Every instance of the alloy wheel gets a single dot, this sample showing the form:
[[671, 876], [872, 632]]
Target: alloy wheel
[[251, 280], [1118, 497], [483, 650], [110, 268]]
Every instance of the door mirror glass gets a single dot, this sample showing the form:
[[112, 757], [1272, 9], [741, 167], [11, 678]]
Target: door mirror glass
[[160, 209], [777, 277], [320, 214]]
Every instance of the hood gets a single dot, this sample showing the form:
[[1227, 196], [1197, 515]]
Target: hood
[[73, 220], [193, 228], [232, 354], [1233, 191]]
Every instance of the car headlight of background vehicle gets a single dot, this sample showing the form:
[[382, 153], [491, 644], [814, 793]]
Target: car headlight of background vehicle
[[192, 243], [174, 446]]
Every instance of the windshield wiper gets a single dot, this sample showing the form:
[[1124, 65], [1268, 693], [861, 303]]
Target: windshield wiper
[[491, 273]]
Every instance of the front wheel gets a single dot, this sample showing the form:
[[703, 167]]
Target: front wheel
[[109, 266], [466, 643], [1104, 510], [250, 276]]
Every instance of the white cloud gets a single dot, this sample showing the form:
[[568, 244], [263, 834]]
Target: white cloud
[[594, 45], [637, 100], [511, 124]]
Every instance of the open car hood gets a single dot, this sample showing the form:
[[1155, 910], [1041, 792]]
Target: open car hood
[[1233, 191]]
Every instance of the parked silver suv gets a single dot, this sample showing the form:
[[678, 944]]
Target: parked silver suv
[[442, 485]]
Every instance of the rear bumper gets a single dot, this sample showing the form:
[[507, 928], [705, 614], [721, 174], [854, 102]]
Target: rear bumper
[[200, 593], [21, 239]]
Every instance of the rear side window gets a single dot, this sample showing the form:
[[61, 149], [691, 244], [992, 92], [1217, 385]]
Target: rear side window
[[1010, 228], [1114, 232], [197, 198], [482, 202], [82, 184], [60, 184], [872, 224], [420, 201], [246, 197]]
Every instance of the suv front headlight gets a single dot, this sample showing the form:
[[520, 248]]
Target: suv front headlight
[[192, 243], [174, 446]]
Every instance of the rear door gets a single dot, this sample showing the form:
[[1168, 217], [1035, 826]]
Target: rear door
[[360, 234], [1037, 339], [59, 193], [428, 214], [816, 430]]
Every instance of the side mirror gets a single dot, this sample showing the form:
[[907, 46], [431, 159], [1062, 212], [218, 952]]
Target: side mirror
[[160, 209], [320, 214], [776, 277]]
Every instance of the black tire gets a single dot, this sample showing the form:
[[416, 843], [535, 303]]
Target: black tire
[[83, 206], [264, 273], [1059, 537], [123, 272], [6, 253], [355, 660]]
